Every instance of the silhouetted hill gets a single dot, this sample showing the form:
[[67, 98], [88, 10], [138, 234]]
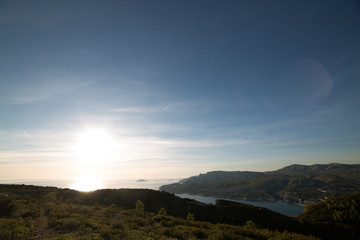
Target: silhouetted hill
[[234, 213], [31, 212], [295, 183]]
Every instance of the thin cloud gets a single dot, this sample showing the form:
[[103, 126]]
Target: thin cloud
[[41, 86], [178, 107], [199, 143]]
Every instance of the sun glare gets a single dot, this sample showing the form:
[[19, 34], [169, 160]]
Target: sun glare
[[86, 184], [95, 146]]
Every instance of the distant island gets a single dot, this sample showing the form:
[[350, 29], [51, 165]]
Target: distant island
[[300, 184], [141, 180]]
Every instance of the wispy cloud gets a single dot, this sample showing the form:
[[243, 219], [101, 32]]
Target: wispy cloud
[[139, 110], [202, 143], [177, 107], [41, 88]]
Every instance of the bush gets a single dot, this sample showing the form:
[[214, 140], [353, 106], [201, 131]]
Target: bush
[[162, 212], [7, 206], [199, 233], [139, 206], [190, 217], [113, 234], [224, 235], [161, 215], [67, 224], [250, 224], [12, 229]]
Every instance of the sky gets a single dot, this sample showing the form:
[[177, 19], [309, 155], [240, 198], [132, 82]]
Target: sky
[[171, 89]]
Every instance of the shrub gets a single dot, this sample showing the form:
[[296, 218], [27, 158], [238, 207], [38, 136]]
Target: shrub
[[161, 215], [68, 224], [224, 235], [162, 212], [190, 217], [250, 224], [12, 229], [139, 206], [7, 206], [199, 233], [113, 234]]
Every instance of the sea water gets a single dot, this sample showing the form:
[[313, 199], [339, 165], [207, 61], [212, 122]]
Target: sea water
[[119, 183], [285, 208]]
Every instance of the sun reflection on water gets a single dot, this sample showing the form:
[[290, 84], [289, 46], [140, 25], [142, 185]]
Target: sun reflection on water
[[86, 184]]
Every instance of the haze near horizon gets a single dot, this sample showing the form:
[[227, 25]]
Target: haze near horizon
[[97, 90]]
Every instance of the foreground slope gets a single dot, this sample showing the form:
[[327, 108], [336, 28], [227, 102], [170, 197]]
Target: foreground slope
[[296, 183], [30, 212], [222, 212]]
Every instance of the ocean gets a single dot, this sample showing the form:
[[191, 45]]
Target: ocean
[[285, 208], [120, 183]]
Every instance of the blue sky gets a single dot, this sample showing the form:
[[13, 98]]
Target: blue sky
[[176, 88]]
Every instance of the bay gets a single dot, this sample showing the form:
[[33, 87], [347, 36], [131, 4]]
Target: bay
[[285, 208]]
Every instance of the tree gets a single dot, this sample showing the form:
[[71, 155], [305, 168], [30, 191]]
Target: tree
[[162, 212], [139, 206], [190, 217]]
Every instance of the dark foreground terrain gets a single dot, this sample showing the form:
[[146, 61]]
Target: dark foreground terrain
[[31, 212]]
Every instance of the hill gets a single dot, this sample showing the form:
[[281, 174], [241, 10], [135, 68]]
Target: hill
[[31, 212], [344, 210], [296, 183], [221, 212], [340, 216]]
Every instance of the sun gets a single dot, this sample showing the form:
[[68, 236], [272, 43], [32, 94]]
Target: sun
[[95, 145]]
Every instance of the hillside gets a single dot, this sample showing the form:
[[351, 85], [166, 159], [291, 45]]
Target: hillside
[[48, 213], [296, 183], [31, 212], [343, 210], [222, 212], [341, 215]]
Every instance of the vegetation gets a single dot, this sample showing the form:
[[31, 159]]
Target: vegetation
[[340, 216], [345, 209], [30, 212], [296, 183]]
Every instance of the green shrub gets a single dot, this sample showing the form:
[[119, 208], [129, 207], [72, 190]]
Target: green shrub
[[68, 224], [12, 229], [162, 212], [190, 217], [173, 232], [250, 224], [139, 206], [7, 206], [113, 234], [199, 233], [117, 225], [224, 235]]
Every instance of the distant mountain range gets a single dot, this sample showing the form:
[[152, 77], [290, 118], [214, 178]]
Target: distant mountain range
[[301, 184]]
